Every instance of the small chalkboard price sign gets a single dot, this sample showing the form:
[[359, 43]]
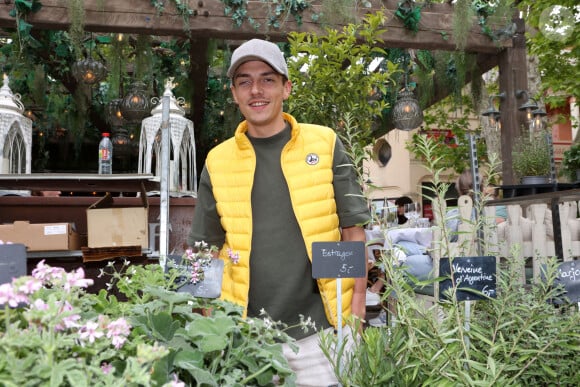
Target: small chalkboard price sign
[[12, 261], [569, 278], [475, 277], [338, 260], [210, 287]]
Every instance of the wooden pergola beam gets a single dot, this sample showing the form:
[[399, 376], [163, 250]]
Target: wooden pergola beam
[[209, 20]]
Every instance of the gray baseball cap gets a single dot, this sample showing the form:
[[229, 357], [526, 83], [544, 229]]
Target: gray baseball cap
[[257, 49]]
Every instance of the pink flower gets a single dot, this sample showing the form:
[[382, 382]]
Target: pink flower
[[175, 382], [106, 368], [47, 273], [118, 341], [6, 293], [71, 321], [234, 257], [30, 286], [118, 327], [77, 279], [89, 332], [39, 304], [10, 297], [189, 254]]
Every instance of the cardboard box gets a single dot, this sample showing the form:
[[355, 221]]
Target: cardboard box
[[110, 226], [41, 236]]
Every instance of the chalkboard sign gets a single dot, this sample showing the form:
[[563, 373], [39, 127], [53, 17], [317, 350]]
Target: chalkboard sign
[[338, 260], [12, 261], [210, 287], [569, 277], [474, 277]]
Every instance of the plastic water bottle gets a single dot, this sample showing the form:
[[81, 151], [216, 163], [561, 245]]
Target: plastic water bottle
[[105, 155]]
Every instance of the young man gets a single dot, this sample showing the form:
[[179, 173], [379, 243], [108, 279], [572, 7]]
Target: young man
[[269, 192], [400, 203]]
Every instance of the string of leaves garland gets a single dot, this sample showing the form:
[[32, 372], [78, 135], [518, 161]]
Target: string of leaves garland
[[182, 8], [410, 14], [282, 10], [279, 11]]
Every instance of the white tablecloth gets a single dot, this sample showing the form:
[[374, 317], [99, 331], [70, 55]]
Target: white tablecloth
[[422, 236]]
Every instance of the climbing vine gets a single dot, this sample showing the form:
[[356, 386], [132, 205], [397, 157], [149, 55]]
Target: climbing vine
[[21, 9]]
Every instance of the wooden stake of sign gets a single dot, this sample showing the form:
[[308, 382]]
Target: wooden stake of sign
[[338, 260]]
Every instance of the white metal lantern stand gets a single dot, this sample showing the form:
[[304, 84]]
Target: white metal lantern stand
[[182, 169], [15, 133]]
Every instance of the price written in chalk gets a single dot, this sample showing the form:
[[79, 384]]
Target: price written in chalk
[[474, 277], [338, 260]]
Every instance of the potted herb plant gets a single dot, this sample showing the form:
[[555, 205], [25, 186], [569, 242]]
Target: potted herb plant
[[571, 162], [531, 158]]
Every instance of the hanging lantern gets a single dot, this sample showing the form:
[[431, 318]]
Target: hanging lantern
[[121, 136], [114, 116], [89, 71], [135, 105], [407, 114], [15, 133]]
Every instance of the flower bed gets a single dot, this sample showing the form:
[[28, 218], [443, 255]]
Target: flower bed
[[54, 333]]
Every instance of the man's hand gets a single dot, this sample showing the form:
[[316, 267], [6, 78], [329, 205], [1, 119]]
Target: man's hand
[[358, 304]]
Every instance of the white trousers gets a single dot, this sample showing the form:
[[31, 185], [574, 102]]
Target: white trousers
[[311, 366]]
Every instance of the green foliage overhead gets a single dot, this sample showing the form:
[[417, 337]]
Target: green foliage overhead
[[331, 75], [558, 53]]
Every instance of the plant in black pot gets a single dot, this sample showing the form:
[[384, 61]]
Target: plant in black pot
[[571, 163], [531, 157]]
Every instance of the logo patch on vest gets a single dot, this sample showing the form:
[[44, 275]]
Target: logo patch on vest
[[312, 159]]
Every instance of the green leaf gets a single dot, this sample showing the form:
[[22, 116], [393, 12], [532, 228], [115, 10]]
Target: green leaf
[[203, 377], [24, 28], [77, 378], [189, 360], [59, 371], [163, 326], [211, 334], [23, 6]]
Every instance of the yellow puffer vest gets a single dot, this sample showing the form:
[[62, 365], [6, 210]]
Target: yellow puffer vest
[[307, 166]]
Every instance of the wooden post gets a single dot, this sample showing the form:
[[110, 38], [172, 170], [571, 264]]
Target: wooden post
[[513, 76]]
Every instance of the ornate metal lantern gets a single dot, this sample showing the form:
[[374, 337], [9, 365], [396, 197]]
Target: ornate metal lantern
[[89, 71], [183, 169], [407, 114], [121, 136], [15, 133], [135, 105], [114, 115]]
